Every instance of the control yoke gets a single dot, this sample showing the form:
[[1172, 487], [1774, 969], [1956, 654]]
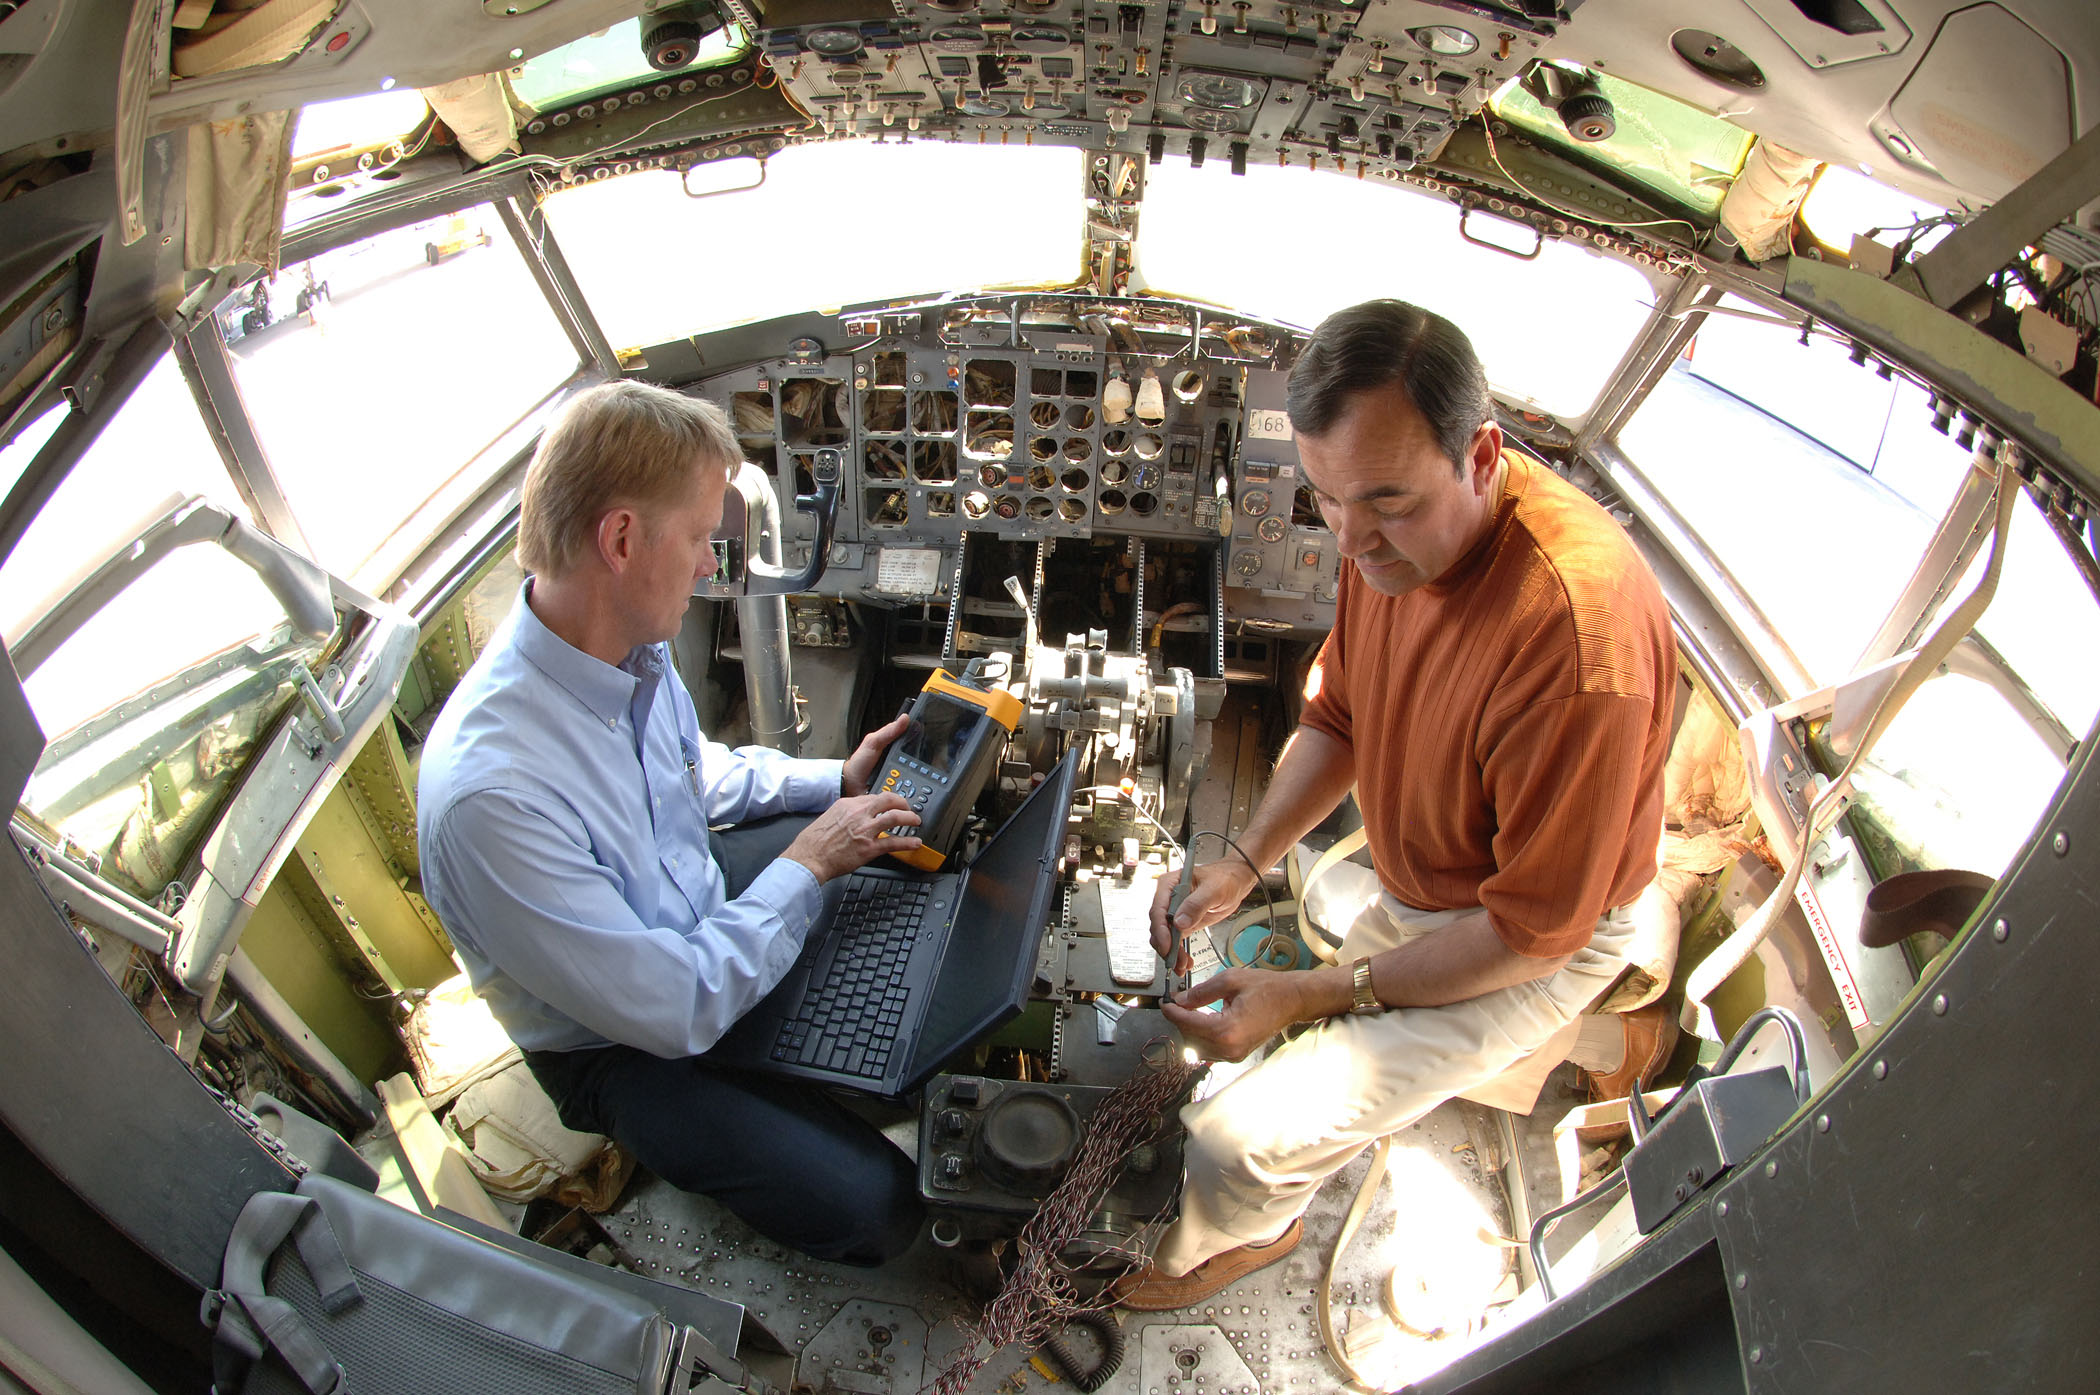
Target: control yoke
[[761, 578]]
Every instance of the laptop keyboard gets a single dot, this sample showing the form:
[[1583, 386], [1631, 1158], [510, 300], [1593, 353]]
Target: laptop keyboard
[[849, 1014]]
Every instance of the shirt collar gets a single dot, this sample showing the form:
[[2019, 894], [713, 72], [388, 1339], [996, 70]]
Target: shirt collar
[[605, 690]]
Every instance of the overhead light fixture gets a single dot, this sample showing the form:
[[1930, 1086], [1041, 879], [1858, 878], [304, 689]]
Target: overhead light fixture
[[1445, 40]]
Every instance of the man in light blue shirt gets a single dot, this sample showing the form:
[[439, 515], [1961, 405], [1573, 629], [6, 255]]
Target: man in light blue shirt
[[564, 802]]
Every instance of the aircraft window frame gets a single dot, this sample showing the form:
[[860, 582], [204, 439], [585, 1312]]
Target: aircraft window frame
[[1800, 609], [210, 662], [484, 444]]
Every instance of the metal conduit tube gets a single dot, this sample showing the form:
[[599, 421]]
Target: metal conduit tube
[[768, 674], [77, 894]]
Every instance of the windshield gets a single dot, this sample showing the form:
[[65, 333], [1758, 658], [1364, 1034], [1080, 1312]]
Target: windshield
[[1296, 245], [832, 225]]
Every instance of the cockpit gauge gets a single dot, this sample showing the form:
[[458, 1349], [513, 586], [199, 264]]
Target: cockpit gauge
[[956, 38], [1204, 119], [1271, 530], [1038, 37], [1446, 40], [1247, 563], [837, 41], [976, 105], [1217, 91], [1147, 477], [1254, 503]]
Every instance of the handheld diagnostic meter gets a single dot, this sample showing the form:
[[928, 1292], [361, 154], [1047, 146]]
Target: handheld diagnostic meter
[[941, 763]]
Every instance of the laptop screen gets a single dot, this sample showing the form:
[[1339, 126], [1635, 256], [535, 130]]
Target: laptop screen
[[991, 952]]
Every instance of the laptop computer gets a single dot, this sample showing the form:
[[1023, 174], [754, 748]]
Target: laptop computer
[[905, 968]]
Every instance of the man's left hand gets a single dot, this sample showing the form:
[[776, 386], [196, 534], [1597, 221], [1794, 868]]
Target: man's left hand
[[862, 765], [1255, 1004]]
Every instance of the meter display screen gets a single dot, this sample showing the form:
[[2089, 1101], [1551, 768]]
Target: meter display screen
[[940, 732]]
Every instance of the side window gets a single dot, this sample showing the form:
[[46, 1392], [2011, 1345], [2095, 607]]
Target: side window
[[1957, 780], [151, 707], [378, 374], [1961, 777], [1817, 484], [1814, 481]]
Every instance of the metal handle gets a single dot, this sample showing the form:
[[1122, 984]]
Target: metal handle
[[1465, 214], [1637, 1118], [761, 578], [1545, 1223]]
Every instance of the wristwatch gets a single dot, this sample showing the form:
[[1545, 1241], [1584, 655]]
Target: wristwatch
[[1362, 1001]]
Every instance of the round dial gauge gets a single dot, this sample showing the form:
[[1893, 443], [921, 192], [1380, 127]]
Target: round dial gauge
[[1271, 530], [1204, 119], [835, 42], [1218, 91], [1254, 503], [1247, 563]]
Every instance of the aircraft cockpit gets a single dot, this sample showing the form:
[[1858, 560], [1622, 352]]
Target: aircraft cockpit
[[1002, 302]]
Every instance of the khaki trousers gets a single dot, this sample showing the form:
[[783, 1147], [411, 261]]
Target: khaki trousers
[[1260, 1148]]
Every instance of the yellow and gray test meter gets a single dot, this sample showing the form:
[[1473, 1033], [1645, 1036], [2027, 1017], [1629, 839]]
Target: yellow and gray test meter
[[942, 762]]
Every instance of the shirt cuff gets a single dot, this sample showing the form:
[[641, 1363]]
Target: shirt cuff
[[793, 892]]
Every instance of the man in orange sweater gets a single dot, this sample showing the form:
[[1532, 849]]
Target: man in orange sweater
[[1498, 689]]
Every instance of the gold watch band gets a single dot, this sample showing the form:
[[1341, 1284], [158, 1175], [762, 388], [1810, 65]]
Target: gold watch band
[[1362, 1001]]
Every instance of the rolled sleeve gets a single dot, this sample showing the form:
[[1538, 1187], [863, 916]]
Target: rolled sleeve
[[520, 888]]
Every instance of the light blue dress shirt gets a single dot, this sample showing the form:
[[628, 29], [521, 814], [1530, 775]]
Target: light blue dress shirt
[[562, 815]]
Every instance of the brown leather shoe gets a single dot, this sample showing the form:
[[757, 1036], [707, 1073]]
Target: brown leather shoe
[[1149, 1291], [1651, 1035]]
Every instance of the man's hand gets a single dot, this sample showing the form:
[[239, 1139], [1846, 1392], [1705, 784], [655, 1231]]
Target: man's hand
[[1215, 892], [862, 766], [848, 834], [1256, 1005]]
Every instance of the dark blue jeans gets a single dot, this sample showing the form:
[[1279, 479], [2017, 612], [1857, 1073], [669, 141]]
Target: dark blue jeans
[[788, 1159]]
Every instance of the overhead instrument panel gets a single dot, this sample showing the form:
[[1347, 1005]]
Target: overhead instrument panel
[[1380, 87]]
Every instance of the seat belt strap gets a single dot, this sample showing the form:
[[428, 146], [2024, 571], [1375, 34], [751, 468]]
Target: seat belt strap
[[247, 1321]]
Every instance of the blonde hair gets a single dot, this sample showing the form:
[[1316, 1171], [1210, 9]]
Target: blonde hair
[[619, 443]]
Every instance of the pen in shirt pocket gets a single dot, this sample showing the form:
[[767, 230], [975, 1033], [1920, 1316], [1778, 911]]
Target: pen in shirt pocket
[[692, 766]]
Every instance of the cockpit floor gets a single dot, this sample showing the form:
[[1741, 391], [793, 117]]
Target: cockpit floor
[[1432, 1241]]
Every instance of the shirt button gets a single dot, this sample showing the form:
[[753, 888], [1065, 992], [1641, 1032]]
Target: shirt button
[[612, 723], [659, 801]]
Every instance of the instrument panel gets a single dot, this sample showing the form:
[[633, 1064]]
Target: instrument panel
[[1037, 420]]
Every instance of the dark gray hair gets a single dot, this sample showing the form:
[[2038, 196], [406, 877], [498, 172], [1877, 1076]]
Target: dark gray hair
[[1383, 343]]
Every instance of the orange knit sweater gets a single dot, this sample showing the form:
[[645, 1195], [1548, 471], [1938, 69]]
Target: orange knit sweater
[[1510, 720]]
